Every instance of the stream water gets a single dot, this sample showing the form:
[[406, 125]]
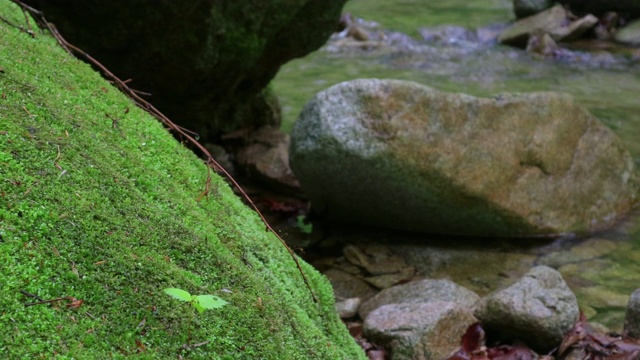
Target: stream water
[[602, 269]]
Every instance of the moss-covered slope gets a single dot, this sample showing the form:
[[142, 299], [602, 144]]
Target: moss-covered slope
[[99, 203]]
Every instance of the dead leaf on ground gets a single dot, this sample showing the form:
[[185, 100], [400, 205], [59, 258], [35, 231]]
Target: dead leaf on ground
[[75, 303], [582, 339]]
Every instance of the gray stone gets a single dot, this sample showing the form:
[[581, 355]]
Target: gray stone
[[555, 21], [632, 316], [266, 158], [576, 29], [629, 34], [388, 280], [538, 309], [376, 259], [524, 8], [346, 286], [422, 291], [386, 268], [425, 331], [448, 34], [402, 155], [348, 307], [542, 44]]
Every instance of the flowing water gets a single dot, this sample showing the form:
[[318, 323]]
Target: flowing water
[[602, 269]]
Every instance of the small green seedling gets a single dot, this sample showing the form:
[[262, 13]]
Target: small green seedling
[[198, 302]]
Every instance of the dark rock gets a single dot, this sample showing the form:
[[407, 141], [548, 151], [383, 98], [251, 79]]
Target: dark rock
[[542, 44], [429, 331], [632, 316], [221, 157], [388, 280], [538, 309], [607, 26], [358, 35], [384, 269], [205, 62], [629, 9], [376, 259], [347, 286], [420, 292], [266, 157], [401, 155], [524, 8]]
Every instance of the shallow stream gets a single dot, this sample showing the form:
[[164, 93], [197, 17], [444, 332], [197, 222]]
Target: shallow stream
[[602, 269]]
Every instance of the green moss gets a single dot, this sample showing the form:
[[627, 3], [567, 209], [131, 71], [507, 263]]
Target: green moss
[[105, 211]]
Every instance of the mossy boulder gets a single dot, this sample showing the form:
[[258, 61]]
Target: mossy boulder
[[405, 156], [98, 202], [524, 8], [207, 63]]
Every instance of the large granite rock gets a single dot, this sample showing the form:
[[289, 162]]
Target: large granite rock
[[402, 155], [538, 309], [207, 63]]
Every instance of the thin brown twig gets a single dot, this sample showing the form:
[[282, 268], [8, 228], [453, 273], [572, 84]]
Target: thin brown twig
[[31, 295], [45, 301], [26, 19], [145, 105], [27, 31], [141, 92], [39, 16]]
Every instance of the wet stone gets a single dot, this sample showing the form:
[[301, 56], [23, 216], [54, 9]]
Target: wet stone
[[347, 286], [632, 316], [376, 259], [422, 291], [348, 307], [384, 267], [388, 280], [538, 309], [429, 331]]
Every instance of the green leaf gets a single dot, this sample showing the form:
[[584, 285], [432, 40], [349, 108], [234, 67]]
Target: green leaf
[[210, 302], [178, 294], [198, 307]]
